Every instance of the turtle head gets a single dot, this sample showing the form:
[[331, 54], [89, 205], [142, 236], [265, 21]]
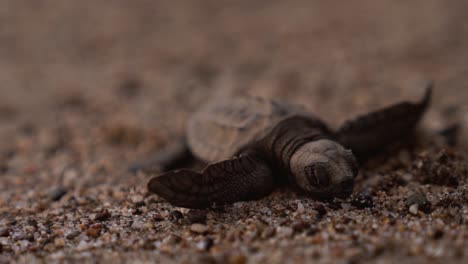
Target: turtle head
[[324, 169]]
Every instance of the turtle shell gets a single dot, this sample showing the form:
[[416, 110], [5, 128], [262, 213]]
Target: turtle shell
[[221, 128]]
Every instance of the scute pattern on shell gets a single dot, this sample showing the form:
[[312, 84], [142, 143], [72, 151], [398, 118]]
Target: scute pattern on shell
[[221, 128]]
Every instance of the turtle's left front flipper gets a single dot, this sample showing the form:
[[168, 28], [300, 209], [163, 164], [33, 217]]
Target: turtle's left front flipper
[[242, 178], [370, 133]]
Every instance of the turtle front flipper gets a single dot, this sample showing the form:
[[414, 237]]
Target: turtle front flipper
[[242, 178], [367, 134]]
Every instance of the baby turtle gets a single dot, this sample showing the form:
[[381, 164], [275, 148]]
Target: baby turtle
[[255, 144]]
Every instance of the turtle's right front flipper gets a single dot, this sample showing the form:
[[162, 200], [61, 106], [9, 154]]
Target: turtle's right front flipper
[[242, 178], [370, 133]]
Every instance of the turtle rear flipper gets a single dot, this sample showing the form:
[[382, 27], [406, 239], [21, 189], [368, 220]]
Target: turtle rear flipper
[[243, 178], [174, 156], [370, 133]]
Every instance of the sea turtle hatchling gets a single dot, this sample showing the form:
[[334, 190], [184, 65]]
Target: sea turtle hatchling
[[255, 144]]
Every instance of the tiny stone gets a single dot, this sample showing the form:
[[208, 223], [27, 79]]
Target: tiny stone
[[58, 255], [205, 244], [172, 239], [175, 215], [157, 217], [94, 231], [300, 207], [136, 199], [24, 244], [137, 211], [29, 238], [57, 193], [346, 206], [59, 242], [199, 228], [4, 232], [102, 215], [322, 211], [421, 201], [137, 224], [18, 236], [83, 245], [413, 209], [299, 225], [339, 228], [438, 234], [72, 234], [32, 222], [362, 200]]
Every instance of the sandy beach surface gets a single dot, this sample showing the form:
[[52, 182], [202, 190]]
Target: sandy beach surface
[[88, 87]]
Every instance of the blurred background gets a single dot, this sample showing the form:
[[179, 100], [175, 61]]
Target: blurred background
[[129, 73]]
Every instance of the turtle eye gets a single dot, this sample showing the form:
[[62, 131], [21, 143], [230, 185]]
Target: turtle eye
[[318, 175], [321, 175]]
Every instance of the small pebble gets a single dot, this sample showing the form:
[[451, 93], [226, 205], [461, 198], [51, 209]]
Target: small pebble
[[346, 206], [157, 217], [205, 244], [199, 228], [362, 200], [413, 209], [72, 234], [175, 215], [420, 201], [299, 225], [322, 211], [172, 239], [59, 242], [137, 211], [137, 224], [16, 236], [438, 234], [94, 231], [300, 207], [57, 193], [83, 245], [102, 215], [4, 232]]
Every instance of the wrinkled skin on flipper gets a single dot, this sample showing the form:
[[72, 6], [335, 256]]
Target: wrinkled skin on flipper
[[245, 177], [370, 133]]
